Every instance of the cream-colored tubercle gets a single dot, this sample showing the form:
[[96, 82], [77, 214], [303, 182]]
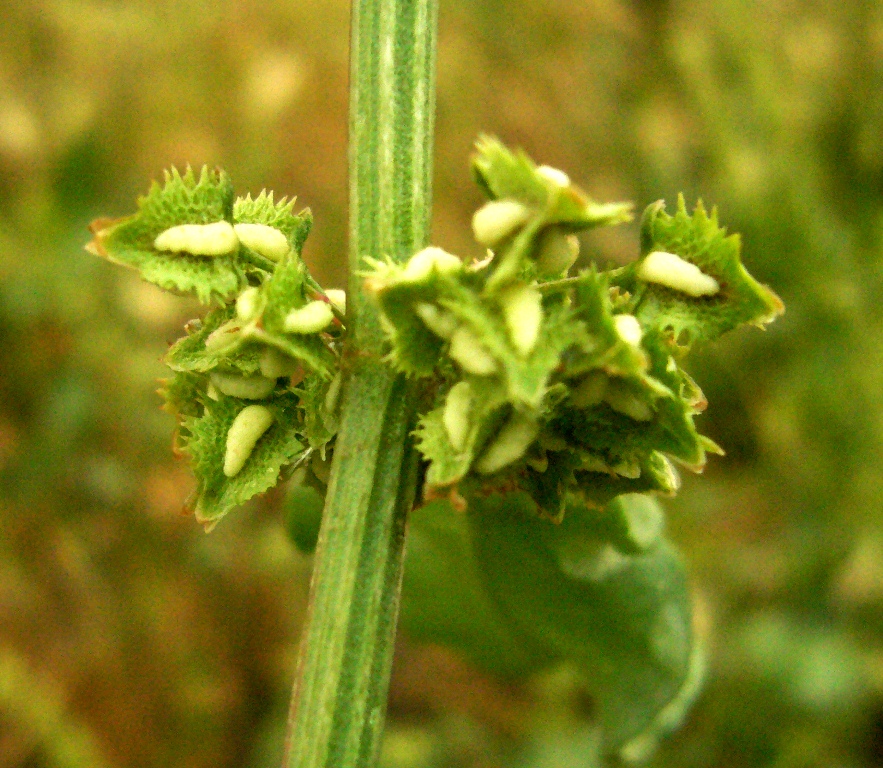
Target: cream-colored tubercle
[[312, 317], [247, 428], [628, 328], [673, 272], [473, 356], [422, 264], [214, 239], [247, 387], [555, 175], [457, 416], [265, 240], [337, 297], [523, 312], [498, 219], [509, 445]]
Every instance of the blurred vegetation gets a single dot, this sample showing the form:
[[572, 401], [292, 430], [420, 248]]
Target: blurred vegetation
[[130, 638]]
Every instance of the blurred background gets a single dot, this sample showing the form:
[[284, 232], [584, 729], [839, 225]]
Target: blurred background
[[129, 638]]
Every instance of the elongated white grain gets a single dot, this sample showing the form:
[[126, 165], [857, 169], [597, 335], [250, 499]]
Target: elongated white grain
[[523, 313], [310, 318], [267, 241], [216, 239], [670, 270], [471, 354], [498, 219], [247, 428], [509, 445], [457, 416], [247, 387]]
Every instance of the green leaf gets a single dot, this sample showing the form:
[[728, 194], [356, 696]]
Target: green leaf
[[700, 241], [625, 620], [320, 404], [190, 353], [205, 441], [183, 199], [445, 600]]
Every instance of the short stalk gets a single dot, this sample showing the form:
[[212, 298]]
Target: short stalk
[[339, 700]]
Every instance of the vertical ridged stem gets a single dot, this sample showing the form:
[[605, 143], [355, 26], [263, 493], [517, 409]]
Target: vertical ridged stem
[[339, 700]]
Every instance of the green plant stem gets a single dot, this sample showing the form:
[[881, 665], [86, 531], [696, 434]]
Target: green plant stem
[[339, 699]]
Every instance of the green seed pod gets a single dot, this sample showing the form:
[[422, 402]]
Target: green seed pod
[[215, 239], [247, 428], [556, 251], [590, 391], [267, 241], [555, 175], [223, 336], [332, 396]]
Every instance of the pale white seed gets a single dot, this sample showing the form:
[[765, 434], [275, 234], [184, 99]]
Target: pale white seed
[[267, 241], [457, 416], [591, 462], [523, 313], [214, 239], [676, 273], [337, 297], [247, 304], [590, 391], [496, 220], [471, 354], [628, 469], [247, 428], [212, 391], [629, 329], [440, 322], [623, 400], [509, 445], [556, 251], [274, 364], [310, 318], [556, 176], [223, 336], [423, 263], [332, 396], [247, 387]]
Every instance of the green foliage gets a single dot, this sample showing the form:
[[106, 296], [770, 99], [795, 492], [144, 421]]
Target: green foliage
[[560, 386], [603, 590], [240, 352], [554, 404]]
